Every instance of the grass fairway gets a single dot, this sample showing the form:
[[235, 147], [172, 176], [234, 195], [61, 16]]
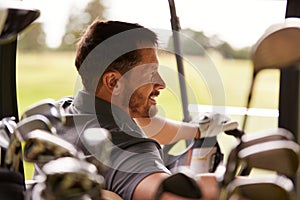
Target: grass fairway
[[42, 75]]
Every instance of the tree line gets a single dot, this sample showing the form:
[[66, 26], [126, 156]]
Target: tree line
[[192, 43]]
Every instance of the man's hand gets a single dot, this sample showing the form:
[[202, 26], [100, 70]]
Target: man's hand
[[211, 124]]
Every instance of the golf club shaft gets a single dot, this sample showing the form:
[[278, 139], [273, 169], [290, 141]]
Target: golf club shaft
[[250, 94]]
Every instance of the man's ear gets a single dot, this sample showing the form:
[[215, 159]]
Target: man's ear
[[111, 82]]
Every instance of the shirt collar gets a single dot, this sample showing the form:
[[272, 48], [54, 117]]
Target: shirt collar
[[87, 103]]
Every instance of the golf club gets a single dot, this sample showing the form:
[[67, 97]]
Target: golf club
[[7, 127], [262, 148], [68, 178], [281, 156], [9, 142], [275, 187], [247, 140], [265, 136], [18, 17], [13, 155], [34, 122], [276, 49], [47, 107], [42, 146]]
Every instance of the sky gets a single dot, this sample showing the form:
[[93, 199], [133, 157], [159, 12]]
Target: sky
[[239, 22]]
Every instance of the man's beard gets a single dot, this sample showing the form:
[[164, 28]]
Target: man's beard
[[141, 109]]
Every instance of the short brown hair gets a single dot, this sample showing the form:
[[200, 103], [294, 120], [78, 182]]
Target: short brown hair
[[99, 32]]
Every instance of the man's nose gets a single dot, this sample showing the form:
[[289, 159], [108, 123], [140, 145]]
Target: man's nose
[[159, 82]]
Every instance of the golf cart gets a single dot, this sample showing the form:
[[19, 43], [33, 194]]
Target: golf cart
[[264, 57]]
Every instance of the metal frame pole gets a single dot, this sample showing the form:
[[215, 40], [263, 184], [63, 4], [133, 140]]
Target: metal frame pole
[[289, 98], [177, 48]]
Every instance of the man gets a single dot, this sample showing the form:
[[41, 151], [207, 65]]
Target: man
[[118, 65]]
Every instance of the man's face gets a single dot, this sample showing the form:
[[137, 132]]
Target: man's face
[[143, 83]]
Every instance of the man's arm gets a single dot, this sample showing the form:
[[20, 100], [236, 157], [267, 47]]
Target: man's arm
[[167, 131], [147, 188]]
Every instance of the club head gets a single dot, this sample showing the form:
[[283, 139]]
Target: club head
[[281, 156], [31, 123], [248, 140], [15, 17], [279, 47], [68, 178], [41, 147], [47, 107], [4, 139], [8, 124], [9, 141], [273, 187], [7, 128]]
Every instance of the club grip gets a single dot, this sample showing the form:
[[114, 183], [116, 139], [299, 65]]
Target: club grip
[[237, 133]]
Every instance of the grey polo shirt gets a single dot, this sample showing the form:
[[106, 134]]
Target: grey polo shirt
[[133, 156]]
